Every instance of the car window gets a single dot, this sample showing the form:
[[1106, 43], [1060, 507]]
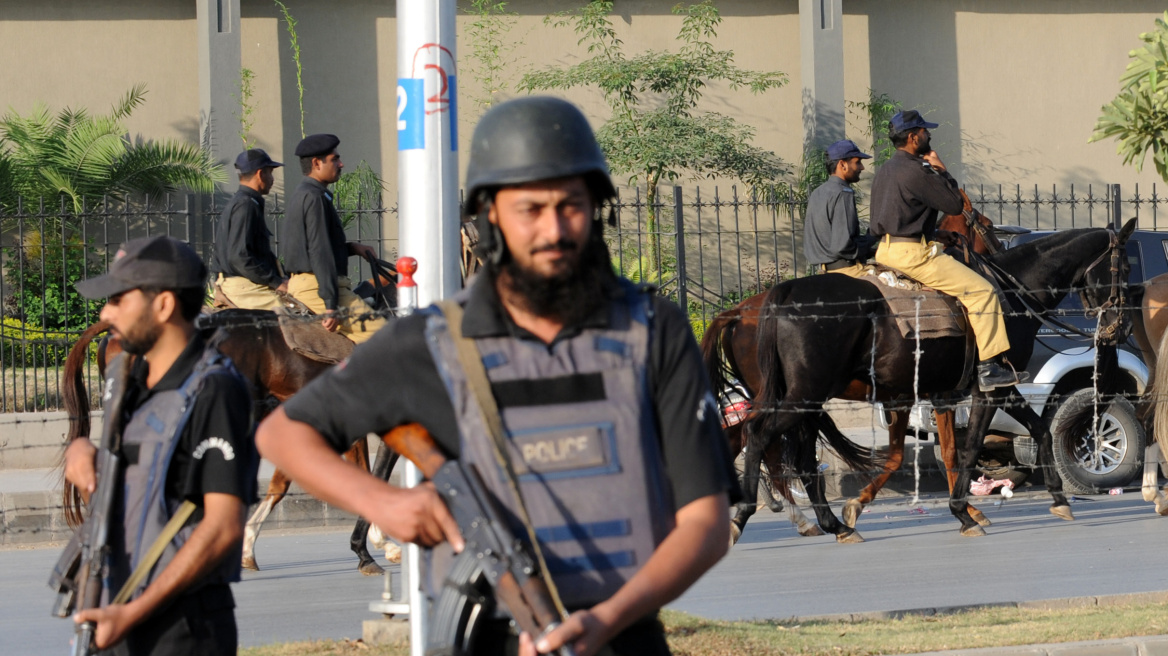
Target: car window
[[1135, 259]]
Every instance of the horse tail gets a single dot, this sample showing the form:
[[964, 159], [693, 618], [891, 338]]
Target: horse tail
[[774, 386], [716, 355], [1160, 382], [76, 401], [860, 459]]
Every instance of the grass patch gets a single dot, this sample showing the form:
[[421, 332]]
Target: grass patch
[[38, 389], [987, 627]]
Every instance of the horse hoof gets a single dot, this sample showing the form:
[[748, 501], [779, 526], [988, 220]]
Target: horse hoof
[[370, 568], [735, 533], [393, 554], [810, 530], [249, 562], [852, 510], [1150, 493], [979, 517], [1162, 506], [974, 531], [849, 537], [1062, 512]]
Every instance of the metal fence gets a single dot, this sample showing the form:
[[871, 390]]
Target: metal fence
[[705, 248]]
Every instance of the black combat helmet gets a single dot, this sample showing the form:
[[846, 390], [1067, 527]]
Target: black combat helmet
[[527, 140]]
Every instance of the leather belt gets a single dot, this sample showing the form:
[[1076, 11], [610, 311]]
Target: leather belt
[[837, 265]]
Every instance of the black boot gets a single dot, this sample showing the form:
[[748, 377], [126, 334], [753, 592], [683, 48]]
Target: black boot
[[996, 372]]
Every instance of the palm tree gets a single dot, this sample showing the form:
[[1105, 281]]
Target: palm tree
[[86, 157]]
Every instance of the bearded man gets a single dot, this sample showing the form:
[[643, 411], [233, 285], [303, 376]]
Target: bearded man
[[569, 348], [186, 436]]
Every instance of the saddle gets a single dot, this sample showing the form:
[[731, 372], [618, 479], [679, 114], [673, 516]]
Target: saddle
[[940, 315], [303, 335]]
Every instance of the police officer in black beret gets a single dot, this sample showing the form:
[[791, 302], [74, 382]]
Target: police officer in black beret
[[316, 254], [245, 269]]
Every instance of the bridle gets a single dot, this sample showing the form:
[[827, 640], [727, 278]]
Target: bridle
[[1113, 332], [980, 230]]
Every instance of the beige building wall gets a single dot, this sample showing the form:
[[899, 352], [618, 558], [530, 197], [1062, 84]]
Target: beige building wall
[[1016, 84]]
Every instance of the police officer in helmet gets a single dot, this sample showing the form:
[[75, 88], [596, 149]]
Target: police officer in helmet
[[599, 385]]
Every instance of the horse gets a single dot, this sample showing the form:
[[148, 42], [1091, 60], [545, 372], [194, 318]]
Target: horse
[[808, 354], [1151, 333], [729, 353], [256, 346]]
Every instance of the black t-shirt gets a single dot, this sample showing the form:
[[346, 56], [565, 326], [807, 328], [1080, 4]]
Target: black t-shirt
[[222, 409], [392, 380]]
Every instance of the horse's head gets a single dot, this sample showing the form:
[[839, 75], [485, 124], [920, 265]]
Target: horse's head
[[974, 226], [1104, 287]]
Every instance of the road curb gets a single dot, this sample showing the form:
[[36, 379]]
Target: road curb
[[1138, 646]]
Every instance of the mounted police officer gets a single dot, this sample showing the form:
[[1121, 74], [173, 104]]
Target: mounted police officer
[[908, 191], [245, 268], [187, 437], [831, 233], [600, 387], [316, 253]]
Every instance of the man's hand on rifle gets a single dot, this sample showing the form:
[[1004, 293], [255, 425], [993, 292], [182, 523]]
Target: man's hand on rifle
[[584, 631], [418, 515], [79, 467], [113, 622]]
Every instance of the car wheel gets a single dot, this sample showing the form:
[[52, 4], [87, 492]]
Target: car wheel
[[1093, 464]]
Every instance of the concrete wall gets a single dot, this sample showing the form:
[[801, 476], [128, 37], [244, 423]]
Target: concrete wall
[[1016, 85]]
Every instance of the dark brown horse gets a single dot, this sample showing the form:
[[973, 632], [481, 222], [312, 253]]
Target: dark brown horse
[[256, 346], [728, 349]]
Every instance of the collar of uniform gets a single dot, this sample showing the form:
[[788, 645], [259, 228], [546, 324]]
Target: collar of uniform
[[178, 372], [316, 184], [484, 315], [839, 182], [903, 154], [251, 193]]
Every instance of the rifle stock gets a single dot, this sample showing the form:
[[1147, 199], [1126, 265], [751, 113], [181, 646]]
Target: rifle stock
[[505, 563]]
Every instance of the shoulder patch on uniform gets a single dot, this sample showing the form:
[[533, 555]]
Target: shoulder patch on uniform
[[848, 190], [214, 443]]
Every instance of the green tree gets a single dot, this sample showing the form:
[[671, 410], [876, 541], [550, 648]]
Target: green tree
[[656, 133], [86, 157], [1138, 116], [490, 59]]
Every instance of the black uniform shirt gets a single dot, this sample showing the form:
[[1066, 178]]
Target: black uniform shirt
[[314, 239], [243, 245], [831, 228], [392, 380], [906, 196], [222, 409]]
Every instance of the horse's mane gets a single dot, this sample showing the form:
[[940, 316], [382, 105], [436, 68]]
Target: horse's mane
[[1027, 252]]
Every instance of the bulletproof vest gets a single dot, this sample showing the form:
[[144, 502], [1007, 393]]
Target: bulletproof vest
[[154, 431], [583, 441]]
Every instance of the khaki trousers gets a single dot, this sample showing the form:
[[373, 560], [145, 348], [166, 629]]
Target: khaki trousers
[[304, 288], [948, 276], [856, 270], [247, 294]]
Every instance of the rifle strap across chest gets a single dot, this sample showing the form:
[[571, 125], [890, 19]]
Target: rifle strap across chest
[[155, 552], [480, 387]]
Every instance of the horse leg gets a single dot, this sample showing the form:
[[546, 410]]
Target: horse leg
[[968, 446], [815, 486], [1018, 408], [896, 432], [802, 524], [277, 488], [382, 467], [1151, 472], [751, 469], [946, 426]]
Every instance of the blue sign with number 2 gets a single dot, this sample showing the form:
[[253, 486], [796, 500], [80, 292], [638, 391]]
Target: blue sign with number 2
[[411, 114]]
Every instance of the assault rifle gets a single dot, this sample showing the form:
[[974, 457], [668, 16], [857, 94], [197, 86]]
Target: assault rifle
[[77, 577], [492, 557]]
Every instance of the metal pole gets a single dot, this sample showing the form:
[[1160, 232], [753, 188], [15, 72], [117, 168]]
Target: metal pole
[[679, 230], [427, 135], [1116, 210], [419, 612]]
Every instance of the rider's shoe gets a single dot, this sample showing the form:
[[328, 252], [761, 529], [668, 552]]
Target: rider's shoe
[[996, 372]]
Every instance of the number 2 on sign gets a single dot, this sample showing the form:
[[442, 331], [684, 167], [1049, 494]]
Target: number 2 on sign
[[401, 107]]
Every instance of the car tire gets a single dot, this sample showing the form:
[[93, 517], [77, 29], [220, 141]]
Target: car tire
[[1084, 471]]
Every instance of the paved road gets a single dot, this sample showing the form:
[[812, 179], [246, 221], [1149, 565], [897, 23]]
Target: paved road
[[310, 588]]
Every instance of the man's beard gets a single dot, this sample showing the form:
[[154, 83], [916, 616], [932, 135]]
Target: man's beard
[[570, 296], [142, 336], [923, 147]]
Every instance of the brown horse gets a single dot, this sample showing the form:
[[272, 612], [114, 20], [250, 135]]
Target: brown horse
[[1151, 332], [728, 349], [256, 346]]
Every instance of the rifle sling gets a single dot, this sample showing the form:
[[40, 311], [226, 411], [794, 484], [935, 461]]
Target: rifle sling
[[155, 552], [480, 386]]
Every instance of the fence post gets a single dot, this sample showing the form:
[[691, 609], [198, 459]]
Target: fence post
[[679, 230], [1116, 210]]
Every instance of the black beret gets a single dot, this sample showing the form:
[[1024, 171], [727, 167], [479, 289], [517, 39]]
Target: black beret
[[315, 145]]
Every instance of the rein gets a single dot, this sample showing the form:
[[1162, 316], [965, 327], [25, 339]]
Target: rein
[[1115, 298]]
